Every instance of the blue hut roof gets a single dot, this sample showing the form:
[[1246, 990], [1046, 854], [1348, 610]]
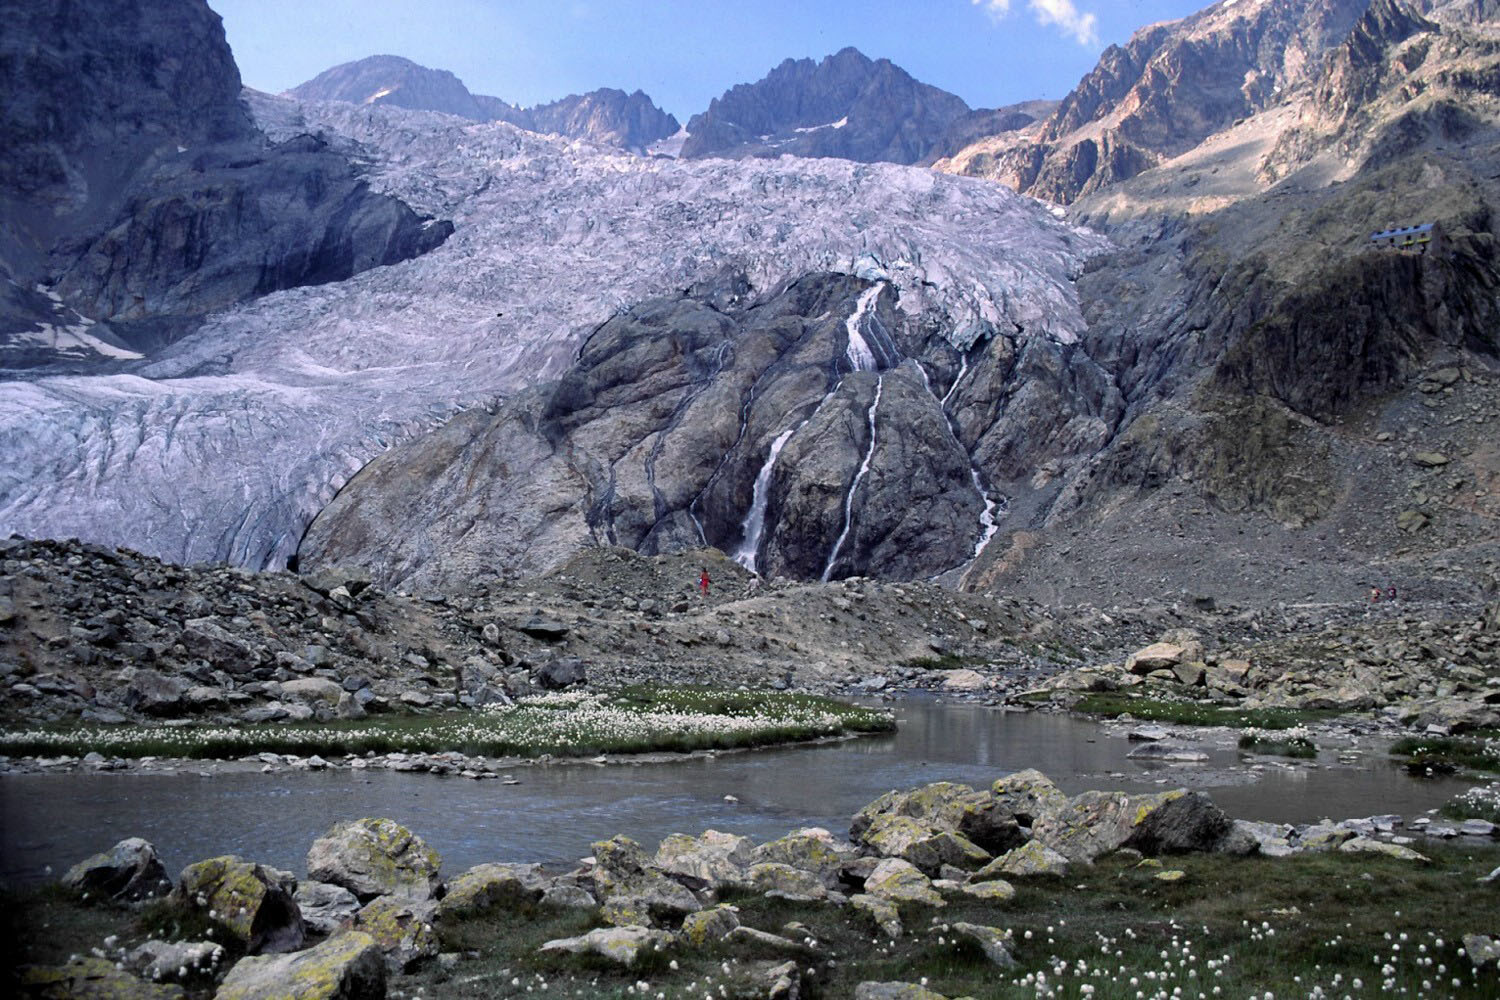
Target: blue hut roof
[[1425, 227]]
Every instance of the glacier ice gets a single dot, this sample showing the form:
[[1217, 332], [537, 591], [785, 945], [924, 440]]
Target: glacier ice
[[224, 445]]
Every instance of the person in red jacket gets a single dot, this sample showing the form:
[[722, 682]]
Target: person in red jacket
[[703, 582]]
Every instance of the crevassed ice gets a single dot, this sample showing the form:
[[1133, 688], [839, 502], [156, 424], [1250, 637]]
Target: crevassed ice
[[226, 444]]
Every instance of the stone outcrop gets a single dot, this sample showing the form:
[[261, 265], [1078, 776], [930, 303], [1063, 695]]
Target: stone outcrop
[[401, 928], [623, 945], [847, 106], [373, 857], [128, 871], [714, 858], [485, 886], [1096, 823], [92, 977], [325, 908], [254, 902], [347, 966], [633, 891]]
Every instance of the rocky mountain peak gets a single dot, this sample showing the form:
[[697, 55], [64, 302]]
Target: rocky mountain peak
[[846, 105], [394, 80]]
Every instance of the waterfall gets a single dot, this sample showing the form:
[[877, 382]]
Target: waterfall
[[860, 355], [864, 467], [755, 521]]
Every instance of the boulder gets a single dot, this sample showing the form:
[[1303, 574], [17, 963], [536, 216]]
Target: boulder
[[325, 907], [992, 940], [568, 896], [1157, 656], [1167, 752], [90, 979], [882, 912], [964, 680], [128, 871], [784, 880], [401, 928], [900, 882], [946, 805], [708, 925], [564, 672], [1031, 858], [1026, 796], [542, 628], [151, 693], [811, 850], [1369, 845], [485, 886], [915, 841], [1323, 837], [373, 857], [175, 961], [894, 991], [990, 891], [714, 858], [632, 890], [252, 901], [348, 966], [314, 689], [1095, 823], [206, 638], [623, 945], [1482, 950]]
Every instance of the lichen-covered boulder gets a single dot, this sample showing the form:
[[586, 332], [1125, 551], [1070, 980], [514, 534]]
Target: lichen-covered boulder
[[325, 907], [926, 847], [485, 886], [348, 966], [375, 857], [784, 880], [90, 979], [1027, 795], [402, 929], [623, 945], [252, 901], [882, 912], [1031, 858], [945, 806], [128, 871], [633, 891], [713, 924], [989, 891], [994, 942], [811, 850], [1095, 823], [900, 882], [1369, 845], [714, 858]]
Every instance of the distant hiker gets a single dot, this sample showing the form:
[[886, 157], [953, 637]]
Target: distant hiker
[[1374, 595], [752, 585], [703, 582], [1390, 592]]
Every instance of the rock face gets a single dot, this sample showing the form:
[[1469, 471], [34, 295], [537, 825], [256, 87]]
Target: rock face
[[373, 857], [847, 106], [818, 435], [128, 871], [606, 116], [1171, 86], [345, 967], [142, 194]]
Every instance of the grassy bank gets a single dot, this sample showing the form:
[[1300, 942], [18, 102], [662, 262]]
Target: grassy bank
[[1478, 753], [1192, 713], [634, 720], [1357, 926], [1279, 742]]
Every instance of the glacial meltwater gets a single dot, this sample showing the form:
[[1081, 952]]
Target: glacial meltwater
[[557, 810]]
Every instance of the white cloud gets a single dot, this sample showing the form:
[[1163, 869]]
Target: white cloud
[[1079, 25]]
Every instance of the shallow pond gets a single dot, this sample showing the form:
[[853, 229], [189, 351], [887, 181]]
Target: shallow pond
[[558, 810]]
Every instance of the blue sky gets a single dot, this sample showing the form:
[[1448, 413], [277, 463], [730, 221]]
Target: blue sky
[[685, 52]]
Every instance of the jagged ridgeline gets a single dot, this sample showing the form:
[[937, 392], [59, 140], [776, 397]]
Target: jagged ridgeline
[[819, 434]]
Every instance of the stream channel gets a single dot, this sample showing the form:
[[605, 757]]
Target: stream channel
[[557, 810]]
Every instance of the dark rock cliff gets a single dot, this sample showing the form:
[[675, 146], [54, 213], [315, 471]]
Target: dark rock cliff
[[140, 190]]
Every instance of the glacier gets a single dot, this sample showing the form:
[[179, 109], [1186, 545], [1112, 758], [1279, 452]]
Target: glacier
[[224, 445]]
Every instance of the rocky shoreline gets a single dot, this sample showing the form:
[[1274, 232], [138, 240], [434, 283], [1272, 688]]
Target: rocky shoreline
[[372, 913]]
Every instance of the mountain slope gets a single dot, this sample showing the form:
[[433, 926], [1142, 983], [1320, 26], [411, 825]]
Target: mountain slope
[[607, 116], [847, 106]]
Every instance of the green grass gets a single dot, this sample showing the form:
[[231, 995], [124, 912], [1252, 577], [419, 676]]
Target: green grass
[[948, 661], [1448, 754], [634, 720], [1191, 713], [1291, 746]]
